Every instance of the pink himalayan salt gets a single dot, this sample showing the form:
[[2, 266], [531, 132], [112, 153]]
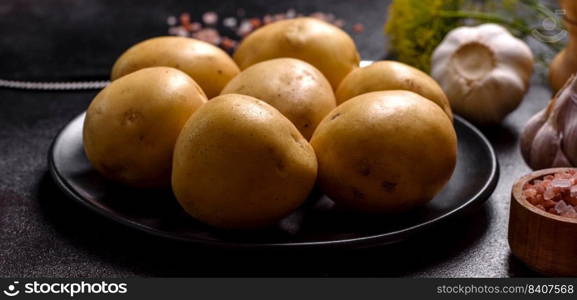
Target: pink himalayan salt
[[573, 191], [561, 183], [549, 193], [208, 35], [570, 212], [229, 22], [184, 26], [358, 28], [210, 18], [561, 207], [554, 193]]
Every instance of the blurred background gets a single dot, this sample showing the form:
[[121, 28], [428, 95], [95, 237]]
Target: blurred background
[[80, 39]]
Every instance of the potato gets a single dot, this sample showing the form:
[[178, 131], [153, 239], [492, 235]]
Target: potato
[[208, 65], [131, 126], [297, 89], [239, 163], [392, 75], [323, 45], [385, 152]]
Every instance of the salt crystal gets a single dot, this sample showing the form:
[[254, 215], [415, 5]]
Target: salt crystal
[[540, 188], [339, 23], [267, 19], [210, 18], [178, 31], [570, 212], [208, 35], [172, 30], [195, 26], [530, 192], [561, 183], [561, 207], [255, 22], [171, 21], [229, 22], [549, 194], [244, 28], [184, 19], [319, 15], [358, 28], [549, 204], [291, 13], [228, 43], [573, 192]]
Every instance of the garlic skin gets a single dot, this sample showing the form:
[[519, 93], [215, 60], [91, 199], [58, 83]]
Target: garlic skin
[[484, 71], [550, 137]]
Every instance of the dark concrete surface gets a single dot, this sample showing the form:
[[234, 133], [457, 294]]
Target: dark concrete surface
[[43, 233]]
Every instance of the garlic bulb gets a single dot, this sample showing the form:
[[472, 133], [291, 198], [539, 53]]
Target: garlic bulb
[[550, 137], [484, 71]]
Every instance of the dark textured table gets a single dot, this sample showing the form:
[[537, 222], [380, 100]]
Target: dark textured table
[[43, 233]]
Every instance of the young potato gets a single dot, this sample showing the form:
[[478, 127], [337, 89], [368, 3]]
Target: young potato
[[208, 65], [323, 45], [385, 152], [239, 163], [131, 126], [297, 89], [392, 75]]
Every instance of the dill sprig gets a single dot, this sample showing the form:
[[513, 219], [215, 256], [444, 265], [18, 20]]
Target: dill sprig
[[416, 27]]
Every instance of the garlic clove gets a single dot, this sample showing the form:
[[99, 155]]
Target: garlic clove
[[529, 133], [567, 115], [550, 137], [507, 56], [479, 101], [546, 149], [510, 88]]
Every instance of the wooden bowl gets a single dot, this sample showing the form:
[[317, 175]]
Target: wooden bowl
[[546, 242]]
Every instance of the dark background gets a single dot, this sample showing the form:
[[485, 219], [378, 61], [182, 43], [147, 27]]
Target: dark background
[[43, 233]]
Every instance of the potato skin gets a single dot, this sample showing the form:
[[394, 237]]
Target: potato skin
[[385, 152], [321, 44], [208, 65], [392, 75], [131, 126], [239, 163], [297, 89]]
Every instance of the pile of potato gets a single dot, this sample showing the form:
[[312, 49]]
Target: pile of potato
[[243, 141]]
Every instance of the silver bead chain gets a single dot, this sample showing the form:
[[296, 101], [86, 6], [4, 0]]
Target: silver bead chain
[[53, 86]]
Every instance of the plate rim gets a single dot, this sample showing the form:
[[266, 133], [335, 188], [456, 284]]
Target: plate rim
[[368, 241]]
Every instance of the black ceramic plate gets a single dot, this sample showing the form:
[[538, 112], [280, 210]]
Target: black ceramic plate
[[318, 223]]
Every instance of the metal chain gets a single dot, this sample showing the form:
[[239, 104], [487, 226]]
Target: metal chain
[[68, 86], [53, 86]]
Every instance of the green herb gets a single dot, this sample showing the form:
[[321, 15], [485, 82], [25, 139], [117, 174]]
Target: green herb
[[416, 27]]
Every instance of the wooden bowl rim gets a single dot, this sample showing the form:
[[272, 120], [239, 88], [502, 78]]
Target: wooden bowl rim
[[569, 21], [518, 194]]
